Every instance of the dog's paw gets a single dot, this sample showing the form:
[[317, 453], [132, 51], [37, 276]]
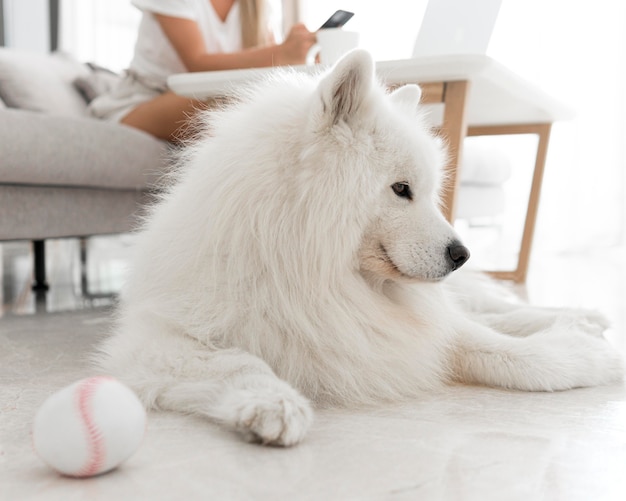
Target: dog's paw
[[590, 322], [582, 360], [595, 322], [275, 414]]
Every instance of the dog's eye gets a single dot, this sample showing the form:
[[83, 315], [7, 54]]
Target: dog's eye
[[402, 190]]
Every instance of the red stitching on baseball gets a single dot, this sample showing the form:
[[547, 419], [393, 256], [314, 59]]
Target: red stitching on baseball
[[95, 441]]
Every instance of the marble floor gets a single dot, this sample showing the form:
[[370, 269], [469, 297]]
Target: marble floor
[[468, 443]]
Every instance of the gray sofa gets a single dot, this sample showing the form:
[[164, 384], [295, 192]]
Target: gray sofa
[[62, 173]]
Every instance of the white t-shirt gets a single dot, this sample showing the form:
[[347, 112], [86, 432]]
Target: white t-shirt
[[155, 58]]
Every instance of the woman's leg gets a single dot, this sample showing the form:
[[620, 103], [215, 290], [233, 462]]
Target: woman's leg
[[166, 116]]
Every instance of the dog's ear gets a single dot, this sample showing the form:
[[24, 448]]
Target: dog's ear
[[348, 84], [407, 96]]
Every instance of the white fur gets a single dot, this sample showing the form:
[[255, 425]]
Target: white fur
[[281, 267]]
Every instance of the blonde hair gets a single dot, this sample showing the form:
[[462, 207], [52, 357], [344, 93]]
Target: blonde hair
[[254, 23]]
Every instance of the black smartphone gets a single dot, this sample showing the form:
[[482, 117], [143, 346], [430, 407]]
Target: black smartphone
[[337, 20]]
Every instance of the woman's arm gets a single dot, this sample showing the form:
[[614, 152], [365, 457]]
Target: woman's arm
[[185, 36]]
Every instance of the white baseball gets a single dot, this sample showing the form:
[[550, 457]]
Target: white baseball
[[89, 427]]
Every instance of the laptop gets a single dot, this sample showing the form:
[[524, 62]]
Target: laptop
[[456, 27]]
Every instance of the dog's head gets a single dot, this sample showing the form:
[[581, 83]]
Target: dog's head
[[394, 163], [319, 177]]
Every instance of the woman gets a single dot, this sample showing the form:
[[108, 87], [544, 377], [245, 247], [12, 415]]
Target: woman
[[177, 36]]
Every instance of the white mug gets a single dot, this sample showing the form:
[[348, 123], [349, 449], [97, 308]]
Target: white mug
[[332, 43]]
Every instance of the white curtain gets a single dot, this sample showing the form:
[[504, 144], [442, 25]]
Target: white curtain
[[100, 31]]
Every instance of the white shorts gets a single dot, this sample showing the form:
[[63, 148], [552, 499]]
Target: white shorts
[[130, 92]]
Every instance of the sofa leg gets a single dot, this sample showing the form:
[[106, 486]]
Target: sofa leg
[[84, 275], [84, 278], [39, 266]]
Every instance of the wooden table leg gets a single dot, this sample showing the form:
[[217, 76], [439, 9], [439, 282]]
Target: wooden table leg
[[454, 130], [543, 133]]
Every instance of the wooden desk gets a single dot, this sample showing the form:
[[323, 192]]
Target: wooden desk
[[479, 97]]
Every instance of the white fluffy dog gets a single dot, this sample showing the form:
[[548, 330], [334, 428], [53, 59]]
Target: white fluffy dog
[[300, 256]]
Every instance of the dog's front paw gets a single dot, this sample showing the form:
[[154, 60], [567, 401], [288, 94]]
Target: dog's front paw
[[275, 414], [595, 322], [589, 321], [583, 360]]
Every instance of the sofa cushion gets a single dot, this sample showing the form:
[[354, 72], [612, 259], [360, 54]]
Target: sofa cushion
[[35, 213], [46, 150], [41, 82], [99, 81]]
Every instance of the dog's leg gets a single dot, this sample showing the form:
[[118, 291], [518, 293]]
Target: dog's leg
[[524, 320], [490, 303], [230, 386], [559, 358], [240, 391]]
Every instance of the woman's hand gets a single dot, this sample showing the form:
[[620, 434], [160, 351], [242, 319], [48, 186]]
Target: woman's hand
[[186, 38], [296, 46]]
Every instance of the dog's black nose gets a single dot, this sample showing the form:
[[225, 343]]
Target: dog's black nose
[[458, 254]]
